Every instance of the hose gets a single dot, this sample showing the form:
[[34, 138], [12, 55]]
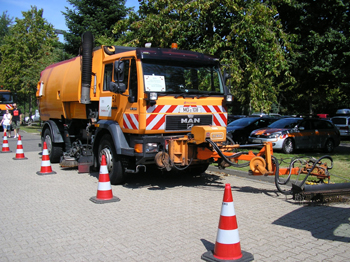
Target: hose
[[314, 165], [225, 158]]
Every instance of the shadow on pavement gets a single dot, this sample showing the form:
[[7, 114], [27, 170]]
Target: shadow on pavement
[[156, 180], [323, 222]]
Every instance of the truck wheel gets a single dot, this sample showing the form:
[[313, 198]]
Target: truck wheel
[[55, 150], [114, 163], [288, 146]]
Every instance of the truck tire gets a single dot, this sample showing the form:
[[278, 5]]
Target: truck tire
[[55, 150], [114, 163]]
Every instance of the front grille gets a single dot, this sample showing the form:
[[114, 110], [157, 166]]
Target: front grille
[[184, 122]]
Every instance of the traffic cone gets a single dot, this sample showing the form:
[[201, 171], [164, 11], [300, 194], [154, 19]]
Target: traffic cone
[[19, 150], [104, 190], [5, 145], [227, 246], [45, 163]]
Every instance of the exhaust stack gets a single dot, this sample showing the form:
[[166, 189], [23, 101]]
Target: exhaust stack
[[87, 46]]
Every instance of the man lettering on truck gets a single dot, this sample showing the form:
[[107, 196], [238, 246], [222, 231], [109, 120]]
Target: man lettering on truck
[[16, 119]]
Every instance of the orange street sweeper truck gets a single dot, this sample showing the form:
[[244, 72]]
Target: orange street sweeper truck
[[140, 107]]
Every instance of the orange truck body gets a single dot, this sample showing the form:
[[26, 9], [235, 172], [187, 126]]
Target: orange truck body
[[118, 104], [6, 101]]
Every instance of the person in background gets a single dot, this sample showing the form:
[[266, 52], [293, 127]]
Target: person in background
[[6, 122], [16, 119]]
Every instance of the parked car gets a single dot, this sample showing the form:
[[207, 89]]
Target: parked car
[[231, 118], [34, 118], [240, 129], [342, 122], [289, 134]]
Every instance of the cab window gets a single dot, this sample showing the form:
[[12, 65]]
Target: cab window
[[107, 77], [130, 76]]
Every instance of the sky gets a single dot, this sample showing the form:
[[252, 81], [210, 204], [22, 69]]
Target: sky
[[52, 9]]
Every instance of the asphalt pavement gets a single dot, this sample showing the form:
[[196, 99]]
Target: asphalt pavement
[[158, 218]]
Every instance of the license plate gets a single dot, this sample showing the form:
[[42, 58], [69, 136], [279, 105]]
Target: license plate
[[190, 110], [256, 141]]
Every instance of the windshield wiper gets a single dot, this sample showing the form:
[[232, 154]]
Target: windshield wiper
[[203, 95], [184, 95]]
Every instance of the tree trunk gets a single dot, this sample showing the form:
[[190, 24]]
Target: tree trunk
[[310, 105]]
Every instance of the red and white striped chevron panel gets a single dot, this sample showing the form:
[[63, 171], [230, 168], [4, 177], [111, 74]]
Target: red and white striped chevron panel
[[131, 121], [156, 121]]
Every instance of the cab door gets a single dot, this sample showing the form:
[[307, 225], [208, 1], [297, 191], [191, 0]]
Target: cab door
[[119, 94], [130, 116]]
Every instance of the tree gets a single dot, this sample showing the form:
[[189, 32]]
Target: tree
[[29, 47], [96, 16], [321, 57], [245, 35], [5, 23]]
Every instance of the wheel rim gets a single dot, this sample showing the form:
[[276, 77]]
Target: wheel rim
[[48, 143], [289, 146], [109, 157]]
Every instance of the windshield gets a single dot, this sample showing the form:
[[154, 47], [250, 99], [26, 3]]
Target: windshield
[[174, 77], [286, 123], [243, 121], [6, 98]]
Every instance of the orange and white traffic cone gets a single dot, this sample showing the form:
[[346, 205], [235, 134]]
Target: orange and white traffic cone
[[5, 145], [227, 246], [45, 163], [19, 150], [104, 190]]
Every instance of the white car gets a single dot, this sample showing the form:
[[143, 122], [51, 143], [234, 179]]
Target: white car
[[34, 118]]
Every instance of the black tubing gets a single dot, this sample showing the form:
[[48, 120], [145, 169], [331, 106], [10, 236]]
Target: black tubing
[[86, 70], [226, 158]]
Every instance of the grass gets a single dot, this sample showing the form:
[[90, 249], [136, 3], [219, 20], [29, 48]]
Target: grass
[[340, 173], [34, 128]]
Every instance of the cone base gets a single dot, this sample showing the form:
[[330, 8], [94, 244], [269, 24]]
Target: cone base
[[6, 151], [48, 173], [209, 256], [101, 201], [22, 158]]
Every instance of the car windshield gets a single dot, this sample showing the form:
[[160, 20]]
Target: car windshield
[[243, 121], [174, 77], [286, 123]]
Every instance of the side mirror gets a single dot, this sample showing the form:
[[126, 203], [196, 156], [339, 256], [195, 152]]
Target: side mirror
[[227, 75], [119, 71], [301, 128], [131, 99], [118, 88]]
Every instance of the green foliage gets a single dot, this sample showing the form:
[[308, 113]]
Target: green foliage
[[245, 35], [321, 56], [95, 16], [5, 23], [30, 46]]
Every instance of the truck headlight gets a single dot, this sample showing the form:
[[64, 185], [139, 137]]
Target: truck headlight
[[151, 147]]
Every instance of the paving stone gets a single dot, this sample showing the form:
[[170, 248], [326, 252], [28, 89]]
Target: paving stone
[[159, 218]]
